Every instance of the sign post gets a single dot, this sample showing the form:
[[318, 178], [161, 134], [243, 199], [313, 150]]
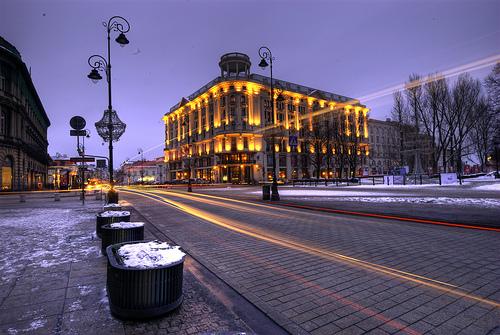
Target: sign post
[[78, 123]]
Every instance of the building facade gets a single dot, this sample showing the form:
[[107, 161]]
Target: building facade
[[385, 144], [143, 171], [63, 173], [23, 125], [393, 146], [227, 131]]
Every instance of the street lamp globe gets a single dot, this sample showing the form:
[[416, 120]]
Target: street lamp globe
[[122, 40], [263, 64], [94, 76]]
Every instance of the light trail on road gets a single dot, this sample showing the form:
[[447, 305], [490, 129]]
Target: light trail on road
[[277, 268], [276, 207], [291, 244]]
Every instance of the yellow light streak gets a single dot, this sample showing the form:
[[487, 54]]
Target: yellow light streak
[[291, 244]]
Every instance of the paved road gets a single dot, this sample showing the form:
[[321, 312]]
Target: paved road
[[457, 204], [318, 273]]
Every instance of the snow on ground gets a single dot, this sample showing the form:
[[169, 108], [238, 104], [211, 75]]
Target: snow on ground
[[476, 202], [228, 188], [489, 187], [34, 325], [148, 255], [43, 237], [125, 225], [341, 192]]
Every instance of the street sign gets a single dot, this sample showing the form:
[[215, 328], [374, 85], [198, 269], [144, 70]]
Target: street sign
[[77, 122], [101, 163], [74, 132], [292, 140], [81, 159]]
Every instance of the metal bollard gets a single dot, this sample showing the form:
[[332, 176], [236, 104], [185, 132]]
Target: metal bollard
[[22, 198], [57, 197]]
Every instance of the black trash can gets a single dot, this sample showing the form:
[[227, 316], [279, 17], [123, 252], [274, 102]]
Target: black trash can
[[141, 293], [115, 216], [266, 192], [112, 197], [121, 232]]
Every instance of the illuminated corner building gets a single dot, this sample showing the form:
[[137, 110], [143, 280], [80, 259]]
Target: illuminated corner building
[[225, 131], [23, 125]]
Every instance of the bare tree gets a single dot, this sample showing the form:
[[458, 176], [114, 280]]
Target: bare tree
[[315, 139], [482, 130], [400, 115], [492, 83], [433, 115], [465, 95]]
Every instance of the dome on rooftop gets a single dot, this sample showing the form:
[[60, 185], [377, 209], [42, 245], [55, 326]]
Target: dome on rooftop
[[235, 64]]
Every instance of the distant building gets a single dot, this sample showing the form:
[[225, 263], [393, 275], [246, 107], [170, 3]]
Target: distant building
[[385, 142], [62, 173], [393, 147], [143, 171], [23, 125], [226, 131]]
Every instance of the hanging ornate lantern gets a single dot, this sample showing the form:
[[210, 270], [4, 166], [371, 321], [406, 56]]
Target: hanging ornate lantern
[[116, 125]]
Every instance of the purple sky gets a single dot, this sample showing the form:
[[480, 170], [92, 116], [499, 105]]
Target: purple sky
[[352, 48]]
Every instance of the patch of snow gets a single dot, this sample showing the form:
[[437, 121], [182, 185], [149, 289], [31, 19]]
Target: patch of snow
[[489, 187], [322, 192], [149, 254], [227, 188], [34, 325], [124, 225], [477, 202], [76, 305], [37, 324], [112, 206], [108, 214], [44, 237], [84, 290]]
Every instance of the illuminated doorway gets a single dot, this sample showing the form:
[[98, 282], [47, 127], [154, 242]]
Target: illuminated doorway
[[7, 168]]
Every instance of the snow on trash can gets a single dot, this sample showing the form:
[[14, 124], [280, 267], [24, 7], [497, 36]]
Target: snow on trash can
[[144, 279], [112, 207], [108, 217], [266, 192], [120, 232]]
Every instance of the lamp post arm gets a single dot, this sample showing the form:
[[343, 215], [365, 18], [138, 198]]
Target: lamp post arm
[[97, 62]]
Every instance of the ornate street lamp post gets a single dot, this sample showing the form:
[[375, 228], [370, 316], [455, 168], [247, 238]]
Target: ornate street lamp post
[[110, 127], [266, 55]]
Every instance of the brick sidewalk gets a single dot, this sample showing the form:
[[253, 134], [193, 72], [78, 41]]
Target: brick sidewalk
[[309, 294], [53, 278]]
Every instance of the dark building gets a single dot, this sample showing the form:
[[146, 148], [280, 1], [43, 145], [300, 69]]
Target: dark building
[[23, 125]]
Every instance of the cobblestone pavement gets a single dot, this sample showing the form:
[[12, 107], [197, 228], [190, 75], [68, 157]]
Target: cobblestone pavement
[[52, 278], [316, 273]]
